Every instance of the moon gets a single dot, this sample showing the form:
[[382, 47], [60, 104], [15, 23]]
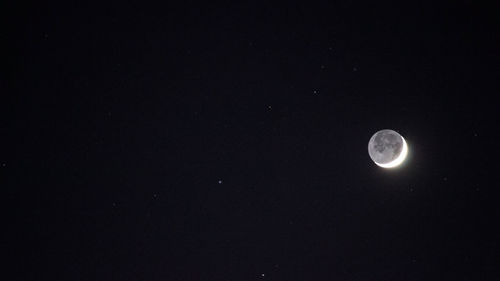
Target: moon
[[387, 148]]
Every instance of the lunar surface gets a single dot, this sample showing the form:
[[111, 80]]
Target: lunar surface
[[387, 148]]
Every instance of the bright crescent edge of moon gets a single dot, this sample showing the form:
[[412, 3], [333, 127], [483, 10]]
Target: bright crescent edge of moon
[[396, 162]]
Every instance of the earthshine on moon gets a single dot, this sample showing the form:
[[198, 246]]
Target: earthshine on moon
[[387, 148]]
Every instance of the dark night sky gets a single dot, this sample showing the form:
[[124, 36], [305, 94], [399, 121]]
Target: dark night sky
[[229, 142]]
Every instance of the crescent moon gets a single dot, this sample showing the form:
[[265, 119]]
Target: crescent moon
[[396, 162]]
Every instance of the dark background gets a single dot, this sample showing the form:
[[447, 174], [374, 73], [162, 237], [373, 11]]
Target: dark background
[[229, 141]]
